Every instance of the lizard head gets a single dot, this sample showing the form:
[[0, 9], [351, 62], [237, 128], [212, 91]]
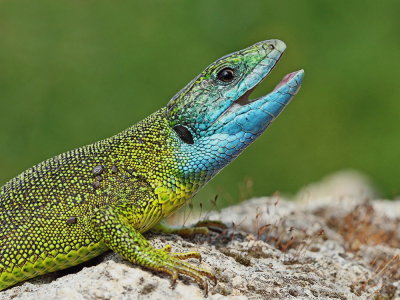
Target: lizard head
[[213, 116]]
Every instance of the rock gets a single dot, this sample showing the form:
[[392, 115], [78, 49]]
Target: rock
[[331, 246], [347, 183]]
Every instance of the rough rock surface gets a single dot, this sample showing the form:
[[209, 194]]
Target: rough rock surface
[[331, 242]]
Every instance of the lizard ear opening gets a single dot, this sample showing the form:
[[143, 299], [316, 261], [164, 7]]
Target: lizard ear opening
[[184, 134]]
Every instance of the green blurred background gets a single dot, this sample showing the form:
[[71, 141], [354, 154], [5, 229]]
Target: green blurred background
[[74, 72]]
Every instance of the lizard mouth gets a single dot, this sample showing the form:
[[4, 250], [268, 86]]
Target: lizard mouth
[[244, 99]]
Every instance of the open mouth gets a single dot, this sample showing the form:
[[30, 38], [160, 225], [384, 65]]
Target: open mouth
[[244, 99]]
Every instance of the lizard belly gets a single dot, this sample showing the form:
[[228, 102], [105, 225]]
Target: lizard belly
[[36, 266]]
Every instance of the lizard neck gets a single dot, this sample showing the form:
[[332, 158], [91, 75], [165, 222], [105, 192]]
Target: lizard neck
[[152, 152]]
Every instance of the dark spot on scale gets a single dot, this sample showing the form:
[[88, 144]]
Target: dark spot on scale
[[97, 170], [131, 171], [72, 220], [114, 169], [96, 184], [141, 178]]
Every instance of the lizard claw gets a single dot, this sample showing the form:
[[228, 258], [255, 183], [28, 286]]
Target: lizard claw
[[174, 277]]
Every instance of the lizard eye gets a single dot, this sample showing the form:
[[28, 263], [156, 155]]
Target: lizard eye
[[184, 134], [226, 75]]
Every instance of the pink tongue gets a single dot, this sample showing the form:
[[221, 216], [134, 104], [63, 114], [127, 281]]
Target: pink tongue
[[285, 80]]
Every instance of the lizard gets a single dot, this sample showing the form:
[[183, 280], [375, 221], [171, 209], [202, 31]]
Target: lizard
[[79, 204]]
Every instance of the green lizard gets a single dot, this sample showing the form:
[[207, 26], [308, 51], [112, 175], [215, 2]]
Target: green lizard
[[77, 205]]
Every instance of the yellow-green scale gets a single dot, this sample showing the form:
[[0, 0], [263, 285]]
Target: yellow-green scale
[[34, 266], [45, 213]]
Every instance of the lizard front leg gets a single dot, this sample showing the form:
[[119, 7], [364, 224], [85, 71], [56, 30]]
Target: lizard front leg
[[112, 226]]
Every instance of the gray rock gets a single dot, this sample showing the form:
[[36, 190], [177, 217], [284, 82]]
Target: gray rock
[[335, 246]]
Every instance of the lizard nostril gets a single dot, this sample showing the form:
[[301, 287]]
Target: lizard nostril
[[271, 47]]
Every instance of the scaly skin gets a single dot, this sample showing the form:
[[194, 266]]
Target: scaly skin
[[77, 205]]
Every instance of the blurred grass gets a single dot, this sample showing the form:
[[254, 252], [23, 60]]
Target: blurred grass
[[73, 72]]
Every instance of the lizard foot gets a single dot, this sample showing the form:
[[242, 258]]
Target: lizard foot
[[172, 264], [213, 225], [201, 227]]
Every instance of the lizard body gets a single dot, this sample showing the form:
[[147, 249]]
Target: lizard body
[[75, 206]]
